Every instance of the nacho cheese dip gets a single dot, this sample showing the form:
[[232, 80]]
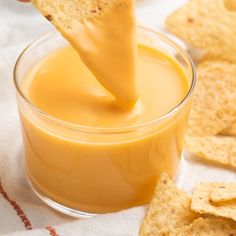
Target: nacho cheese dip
[[84, 152]]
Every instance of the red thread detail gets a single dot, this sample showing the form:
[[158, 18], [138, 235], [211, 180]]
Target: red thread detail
[[17, 209], [52, 231]]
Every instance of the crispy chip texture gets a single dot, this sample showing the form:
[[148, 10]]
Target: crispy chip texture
[[169, 209], [231, 130], [214, 150], [223, 192], [208, 227], [208, 25], [66, 14], [202, 204], [214, 99]]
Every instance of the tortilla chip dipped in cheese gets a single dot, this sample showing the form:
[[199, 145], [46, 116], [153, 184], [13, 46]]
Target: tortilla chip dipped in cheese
[[103, 33]]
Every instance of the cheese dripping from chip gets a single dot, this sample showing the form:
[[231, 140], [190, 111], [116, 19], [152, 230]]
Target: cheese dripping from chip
[[103, 32]]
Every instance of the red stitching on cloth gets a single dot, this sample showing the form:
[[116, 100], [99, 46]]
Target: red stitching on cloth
[[17, 209], [52, 231]]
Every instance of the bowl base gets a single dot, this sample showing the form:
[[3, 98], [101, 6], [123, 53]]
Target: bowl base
[[59, 207]]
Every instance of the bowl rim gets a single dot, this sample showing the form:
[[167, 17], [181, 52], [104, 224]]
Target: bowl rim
[[106, 130]]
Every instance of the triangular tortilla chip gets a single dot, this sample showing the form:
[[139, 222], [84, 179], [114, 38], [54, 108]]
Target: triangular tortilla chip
[[103, 32], [169, 209], [214, 98], [220, 151], [207, 25], [201, 202]]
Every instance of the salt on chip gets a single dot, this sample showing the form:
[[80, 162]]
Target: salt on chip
[[223, 192], [208, 227], [207, 25], [214, 98], [169, 209], [202, 204], [220, 151]]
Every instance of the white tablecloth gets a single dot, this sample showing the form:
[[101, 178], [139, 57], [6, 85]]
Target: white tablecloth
[[20, 209]]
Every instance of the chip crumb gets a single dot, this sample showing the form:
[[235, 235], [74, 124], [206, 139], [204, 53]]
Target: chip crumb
[[202, 204], [169, 209], [208, 227], [214, 98], [213, 29], [216, 150], [190, 20], [48, 17]]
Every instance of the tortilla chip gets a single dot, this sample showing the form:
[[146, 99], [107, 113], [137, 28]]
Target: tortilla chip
[[214, 99], [169, 209], [86, 26], [208, 227], [202, 204], [66, 14], [230, 131], [223, 192], [207, 25], [220, 151]]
